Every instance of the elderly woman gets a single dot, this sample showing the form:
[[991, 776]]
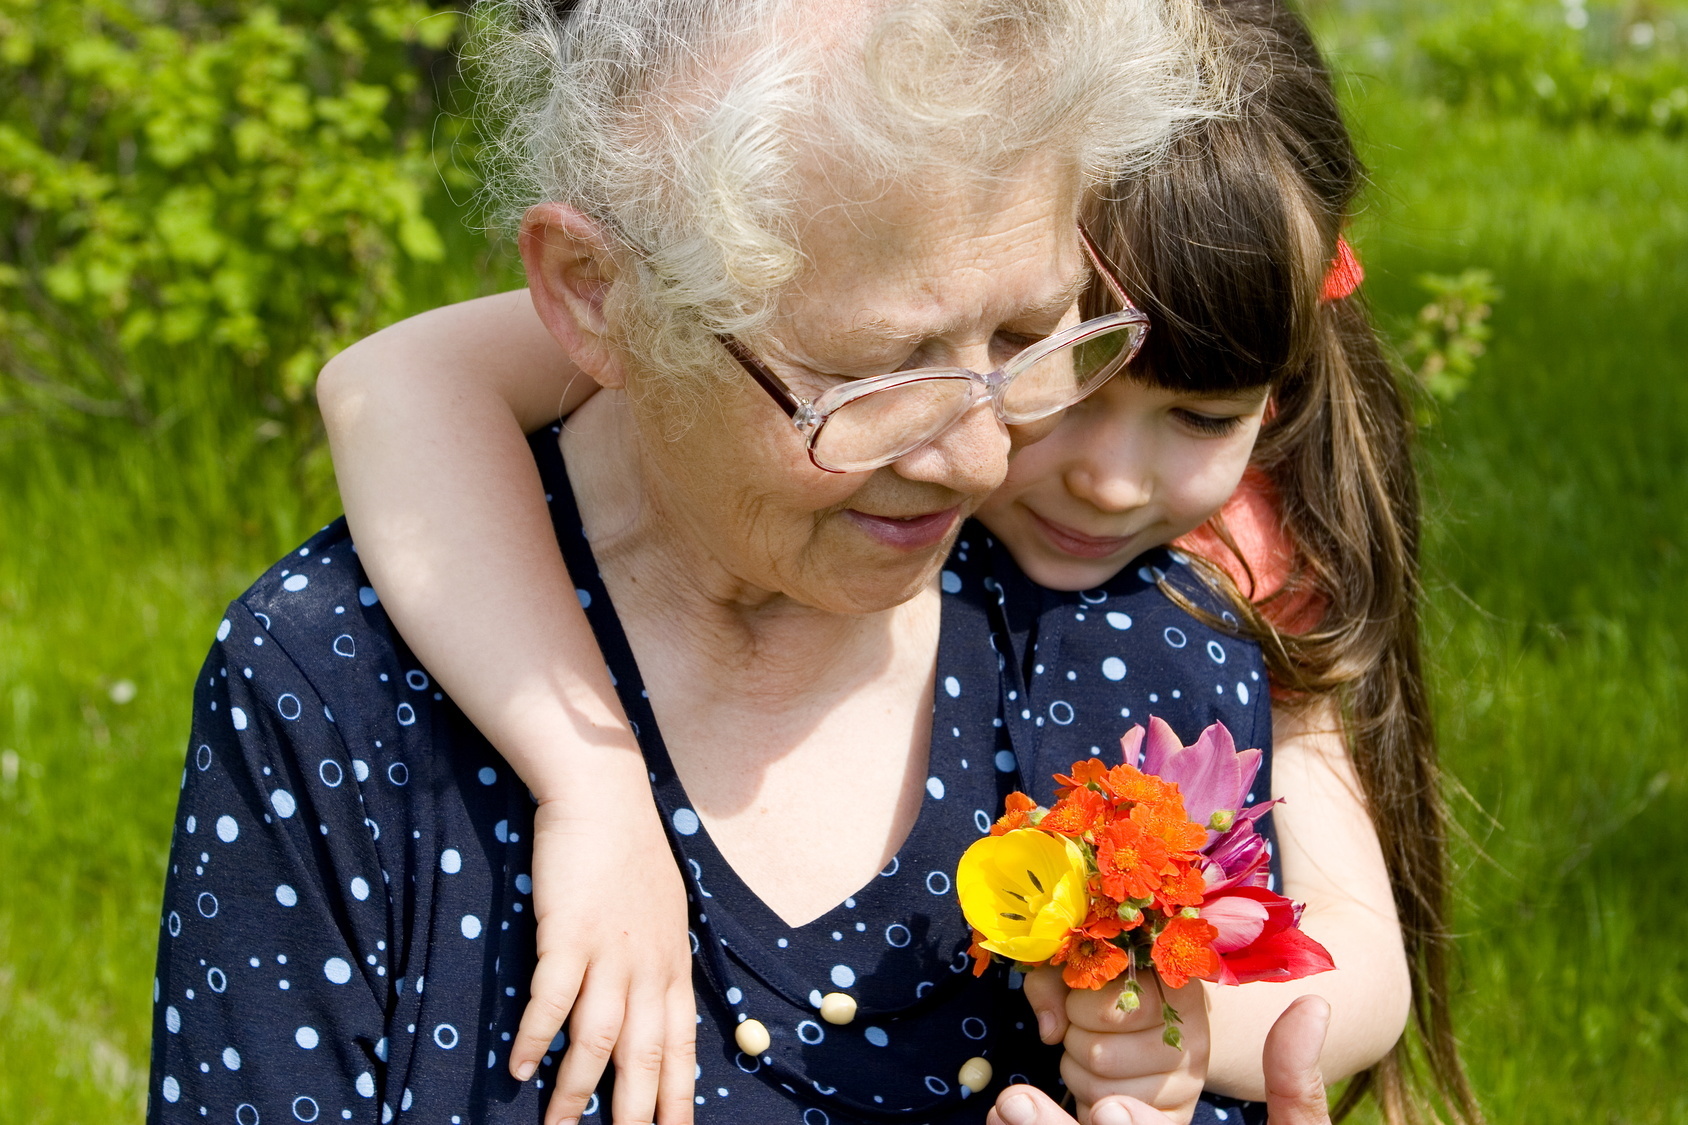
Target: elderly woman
[[738, 217]]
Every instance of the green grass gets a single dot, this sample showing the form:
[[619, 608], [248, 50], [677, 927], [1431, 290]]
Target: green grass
[[1558, 490], [1557, 559]]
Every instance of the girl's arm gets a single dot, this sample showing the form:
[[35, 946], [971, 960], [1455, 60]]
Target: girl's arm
[[426, 421], [1332, 861]]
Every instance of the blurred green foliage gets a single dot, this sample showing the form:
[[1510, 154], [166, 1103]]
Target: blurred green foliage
[[1449, 333], [237, 180], [1562, 62]]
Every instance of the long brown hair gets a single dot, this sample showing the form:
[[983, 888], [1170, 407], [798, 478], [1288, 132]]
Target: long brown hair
[[1226, 244]]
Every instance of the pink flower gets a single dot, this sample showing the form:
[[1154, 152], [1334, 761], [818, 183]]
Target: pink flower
[[1213, 775]]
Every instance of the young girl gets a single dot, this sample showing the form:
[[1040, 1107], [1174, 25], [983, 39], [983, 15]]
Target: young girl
[[1227, 247]]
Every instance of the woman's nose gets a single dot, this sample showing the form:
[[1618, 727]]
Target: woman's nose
[[971, 457]]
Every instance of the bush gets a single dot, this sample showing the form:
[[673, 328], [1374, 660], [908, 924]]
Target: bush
[[1562, 65], [243, 181]]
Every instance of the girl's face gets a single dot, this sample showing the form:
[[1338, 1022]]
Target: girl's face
[[1132, 467]]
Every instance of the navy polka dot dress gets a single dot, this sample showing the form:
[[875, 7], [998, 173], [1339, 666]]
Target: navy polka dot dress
[[347, 930]]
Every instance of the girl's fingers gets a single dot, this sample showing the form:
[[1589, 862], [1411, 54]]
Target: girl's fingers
[[552, 992], [1136, 1064], [594, 1028], [679, 1066], [1046, 992], [639, 1059]]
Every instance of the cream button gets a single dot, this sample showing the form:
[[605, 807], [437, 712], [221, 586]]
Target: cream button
[[838, 1007], [975, 1074], [752, 1038]]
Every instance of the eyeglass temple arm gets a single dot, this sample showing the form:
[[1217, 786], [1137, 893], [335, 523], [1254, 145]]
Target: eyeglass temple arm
[[1104, 270], [768, 381]]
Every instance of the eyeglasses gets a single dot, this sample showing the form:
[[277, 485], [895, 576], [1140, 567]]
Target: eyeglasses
[[868, 423]]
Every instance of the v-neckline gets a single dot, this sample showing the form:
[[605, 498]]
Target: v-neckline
[[675, 803]]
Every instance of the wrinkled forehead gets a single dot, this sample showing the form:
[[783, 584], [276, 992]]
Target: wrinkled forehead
[[943, 257]]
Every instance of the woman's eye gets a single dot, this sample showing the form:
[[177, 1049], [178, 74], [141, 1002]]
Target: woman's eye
[[1209, 424], [1007, 345]]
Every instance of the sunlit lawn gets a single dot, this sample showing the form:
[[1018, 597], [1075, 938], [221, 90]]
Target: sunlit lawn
[[1557, 556]]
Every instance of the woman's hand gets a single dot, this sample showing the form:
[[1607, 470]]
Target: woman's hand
[[1110, 1052], [1295, 1091], [614, 960]]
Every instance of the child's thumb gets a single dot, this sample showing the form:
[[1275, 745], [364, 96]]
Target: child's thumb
[[1046, 992], [1295, 1090]]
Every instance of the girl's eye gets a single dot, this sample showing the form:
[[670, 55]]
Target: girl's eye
[[1208, 424]]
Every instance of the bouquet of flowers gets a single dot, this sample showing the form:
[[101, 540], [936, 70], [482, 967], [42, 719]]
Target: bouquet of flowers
[[1153, 863]]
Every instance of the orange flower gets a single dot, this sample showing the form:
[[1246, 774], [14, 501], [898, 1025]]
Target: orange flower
[[981, 956], [1084, 773], [1183, 887], [1128, 783], [1184, 949], [1092, 962], [1130, 860], [1019, 808], [1077, 813], [1178, 832]]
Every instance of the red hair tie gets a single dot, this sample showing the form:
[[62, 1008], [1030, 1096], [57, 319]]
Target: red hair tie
[[1344, 275]]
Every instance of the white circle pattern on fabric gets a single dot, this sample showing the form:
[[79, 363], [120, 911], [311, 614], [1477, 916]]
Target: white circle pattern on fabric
[[337, 970], [1113, 668], [1175, 636], [323, 810]]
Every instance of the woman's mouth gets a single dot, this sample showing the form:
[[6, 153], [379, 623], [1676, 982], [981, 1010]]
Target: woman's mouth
[[907, 533], [1077, 543]]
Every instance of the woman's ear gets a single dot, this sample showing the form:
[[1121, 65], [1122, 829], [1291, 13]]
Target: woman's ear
[[571, 265]]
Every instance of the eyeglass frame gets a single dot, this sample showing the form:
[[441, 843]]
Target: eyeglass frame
[[810, 416]]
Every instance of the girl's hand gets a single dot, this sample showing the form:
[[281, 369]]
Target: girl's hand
[[614, 960], [1295, 1091], [1110, 1052]]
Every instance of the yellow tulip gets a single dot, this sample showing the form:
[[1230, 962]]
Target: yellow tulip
[[1024, 891]]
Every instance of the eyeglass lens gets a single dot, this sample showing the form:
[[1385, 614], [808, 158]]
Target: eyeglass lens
[[877, 428], [1049, 382]]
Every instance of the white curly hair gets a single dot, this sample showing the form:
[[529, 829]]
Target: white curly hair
[[683, 125]]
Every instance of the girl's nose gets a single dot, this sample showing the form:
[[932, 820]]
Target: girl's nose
[[1110, 477]]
